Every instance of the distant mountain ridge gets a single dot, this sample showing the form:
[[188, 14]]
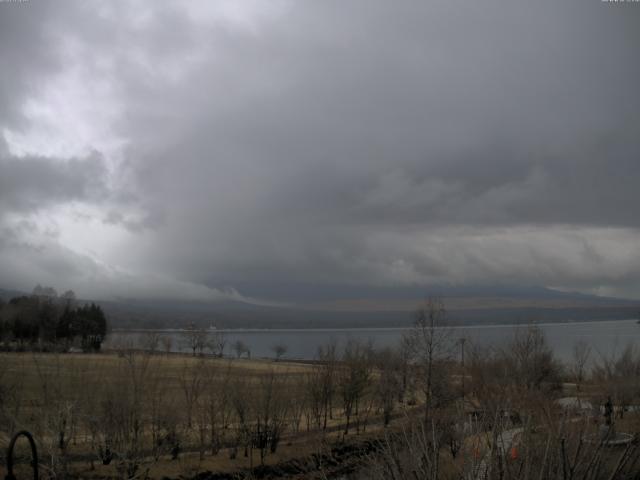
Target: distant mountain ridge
[[465, 305], [6, 295]]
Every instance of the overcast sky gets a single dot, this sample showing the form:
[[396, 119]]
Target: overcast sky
[[249, 149]]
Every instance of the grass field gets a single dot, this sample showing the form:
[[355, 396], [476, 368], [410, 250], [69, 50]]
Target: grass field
[[77, 404], [130, 414]]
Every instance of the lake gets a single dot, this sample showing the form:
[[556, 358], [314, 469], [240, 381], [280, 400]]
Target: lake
[[605, 337]]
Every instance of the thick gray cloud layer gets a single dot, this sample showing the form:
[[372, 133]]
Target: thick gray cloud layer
[[174, 148], [33, 183]]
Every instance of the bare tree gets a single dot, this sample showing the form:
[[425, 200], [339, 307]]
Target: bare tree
[[58, 412], [430, 343], [122, 416], [242, 406], [581, 354], [192, 384], [163, 417], [403, 358], [240, 348], [315, 398], [327, 355], [195, 339], [619, 374], [214, 406], [388, 382], [217, 343], [532, 360], [279, 350], [354, 377], [150, 342], [270, 413], [297, 400], [167, 343]]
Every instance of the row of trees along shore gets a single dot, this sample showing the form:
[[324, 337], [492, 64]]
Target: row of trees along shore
[[425, 411], [45, 320]]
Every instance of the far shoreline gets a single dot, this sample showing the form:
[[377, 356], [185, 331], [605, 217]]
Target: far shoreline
[[367, 329]]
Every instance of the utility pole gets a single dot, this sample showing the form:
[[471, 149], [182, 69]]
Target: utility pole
[[462, 342]]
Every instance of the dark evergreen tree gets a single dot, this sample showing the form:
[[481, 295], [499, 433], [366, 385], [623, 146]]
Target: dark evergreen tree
[[24, 313], [65, 324], [45, 318]]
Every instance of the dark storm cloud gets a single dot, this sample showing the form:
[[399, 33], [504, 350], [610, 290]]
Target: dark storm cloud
[[33, 183], [370, 143]]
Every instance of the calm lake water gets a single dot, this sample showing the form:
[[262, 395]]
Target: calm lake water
[[605, 337]]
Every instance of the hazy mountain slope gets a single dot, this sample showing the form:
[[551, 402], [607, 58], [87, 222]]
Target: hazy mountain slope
[[464, 306], [373, 308], [8, 294]]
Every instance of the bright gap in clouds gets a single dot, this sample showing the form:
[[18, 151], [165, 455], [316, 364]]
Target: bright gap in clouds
[[69, 115], [75, 113]]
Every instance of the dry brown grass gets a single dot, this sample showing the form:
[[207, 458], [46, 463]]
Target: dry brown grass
[[28, 369], [38, 380]]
